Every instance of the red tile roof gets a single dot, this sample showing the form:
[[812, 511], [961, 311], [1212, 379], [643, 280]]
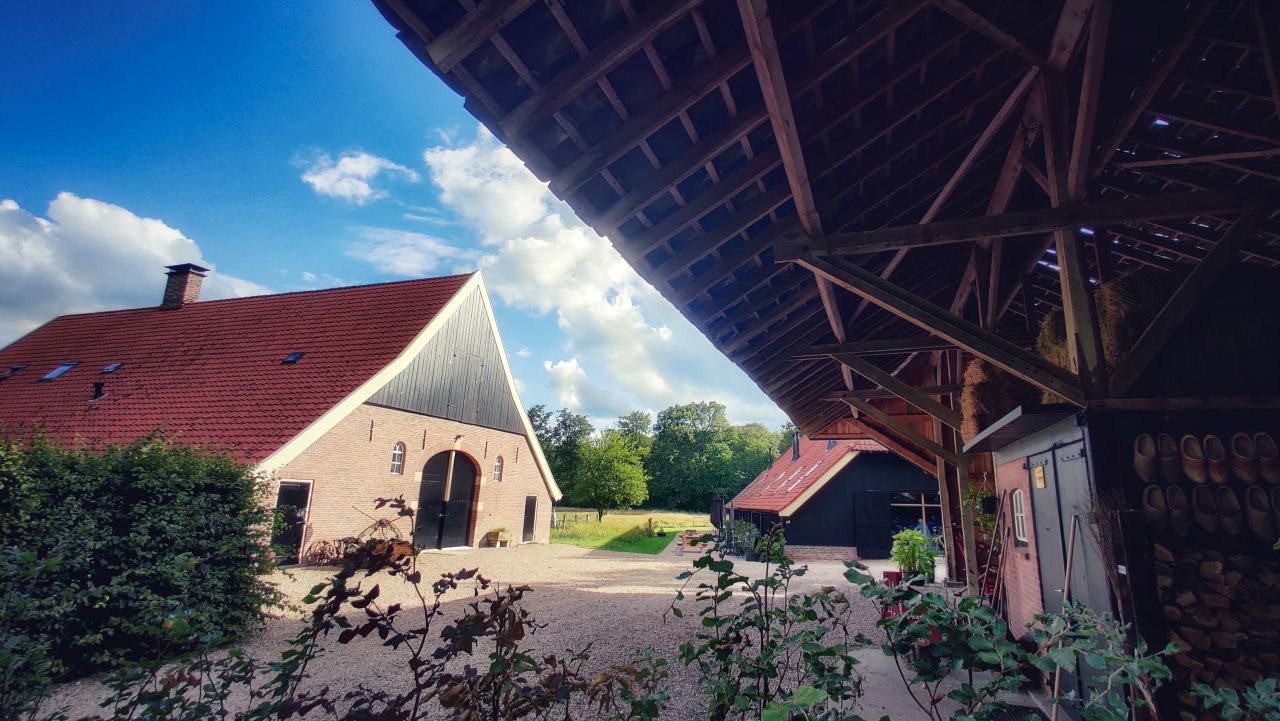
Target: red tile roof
[[787, 479], [210, 372]]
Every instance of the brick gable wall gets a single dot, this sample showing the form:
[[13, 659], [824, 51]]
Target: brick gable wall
[[350, 467], [1021, 569]]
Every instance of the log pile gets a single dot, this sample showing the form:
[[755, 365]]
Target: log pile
[[1222, 612]]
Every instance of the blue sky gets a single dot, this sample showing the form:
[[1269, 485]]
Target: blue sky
[[300, 145]]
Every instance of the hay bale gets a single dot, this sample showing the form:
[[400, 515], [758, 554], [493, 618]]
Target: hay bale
[[989, 393]]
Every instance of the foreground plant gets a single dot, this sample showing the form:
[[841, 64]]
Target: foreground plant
[[453, 676], [769, 653], [935, 638]]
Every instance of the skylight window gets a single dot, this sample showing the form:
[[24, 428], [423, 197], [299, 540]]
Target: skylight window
[[57, 372], [113, 367], [293, 357], [12, 370]]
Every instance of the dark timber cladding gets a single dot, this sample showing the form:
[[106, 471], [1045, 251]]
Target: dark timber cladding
[[815, 184], [458, 375]]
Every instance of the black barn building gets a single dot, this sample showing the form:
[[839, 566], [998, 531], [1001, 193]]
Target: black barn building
[[840, 499]]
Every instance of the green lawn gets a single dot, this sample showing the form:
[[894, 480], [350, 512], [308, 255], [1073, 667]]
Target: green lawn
[[623, 530]]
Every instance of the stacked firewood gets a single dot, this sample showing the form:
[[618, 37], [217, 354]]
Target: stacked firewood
[[1223, 615]]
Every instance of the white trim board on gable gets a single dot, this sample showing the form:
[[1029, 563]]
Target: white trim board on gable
[[309, 435]]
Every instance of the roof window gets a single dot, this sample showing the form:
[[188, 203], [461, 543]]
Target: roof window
[[58, 372], [293, 357], [12, 370], [113, 367]]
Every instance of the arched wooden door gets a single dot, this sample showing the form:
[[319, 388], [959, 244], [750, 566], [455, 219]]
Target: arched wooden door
[[430, 518], [462, 491], [445, 523]]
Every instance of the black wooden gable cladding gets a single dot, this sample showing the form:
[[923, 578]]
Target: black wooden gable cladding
[[458, 375]]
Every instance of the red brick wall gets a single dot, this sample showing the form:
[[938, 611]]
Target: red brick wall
[[1021, 569], [348, 469], [822, 553]]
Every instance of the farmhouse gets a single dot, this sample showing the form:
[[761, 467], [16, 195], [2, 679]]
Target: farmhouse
[[840, 499], [341, 396]]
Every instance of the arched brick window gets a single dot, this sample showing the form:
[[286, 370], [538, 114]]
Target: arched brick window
[[1018, 509], [497, 469], [397, 459]]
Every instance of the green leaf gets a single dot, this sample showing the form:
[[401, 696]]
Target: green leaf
[[806, 696]]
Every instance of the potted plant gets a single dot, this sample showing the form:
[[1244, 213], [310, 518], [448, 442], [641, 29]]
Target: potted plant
[[913, 554]]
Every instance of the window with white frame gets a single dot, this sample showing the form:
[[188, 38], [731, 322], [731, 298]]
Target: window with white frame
[[397, 459], [497, 469], [1018, 509]]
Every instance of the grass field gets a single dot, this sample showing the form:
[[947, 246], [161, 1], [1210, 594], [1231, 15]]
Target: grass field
[[623, 530]]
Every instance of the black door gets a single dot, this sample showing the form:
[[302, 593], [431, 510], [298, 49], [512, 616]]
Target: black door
[[291, 506], [457, 516], [872, 524], [426, 533], [530, 516]]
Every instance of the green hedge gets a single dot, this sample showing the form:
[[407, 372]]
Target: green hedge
[[147, 548]]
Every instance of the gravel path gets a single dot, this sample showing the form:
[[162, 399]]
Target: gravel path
[[614, 601]]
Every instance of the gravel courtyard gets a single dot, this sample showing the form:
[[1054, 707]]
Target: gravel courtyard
[[614, 601]]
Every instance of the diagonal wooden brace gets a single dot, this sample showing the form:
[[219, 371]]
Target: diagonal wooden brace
[[976, 340]]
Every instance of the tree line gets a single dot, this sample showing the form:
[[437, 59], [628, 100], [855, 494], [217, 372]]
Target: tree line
[[681, 459]]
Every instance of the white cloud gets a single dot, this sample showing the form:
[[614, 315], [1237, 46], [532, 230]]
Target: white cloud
[[90, 255], [523, 353], [351, 176], [404, 253], [625, 346]]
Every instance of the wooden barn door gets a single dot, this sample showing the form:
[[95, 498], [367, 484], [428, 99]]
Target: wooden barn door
[[430, 519], [530, 516], [457, 515], [873, 530]]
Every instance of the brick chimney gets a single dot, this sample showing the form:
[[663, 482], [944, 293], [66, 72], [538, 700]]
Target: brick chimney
[[183, 285]]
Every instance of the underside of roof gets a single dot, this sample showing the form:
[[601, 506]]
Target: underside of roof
[[711, 139]]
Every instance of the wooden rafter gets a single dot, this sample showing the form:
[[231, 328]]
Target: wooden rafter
[[962, 12], [473, 30], [875, 393], [1028, 222], [1182, 301], [884, 420], [777, 99], [895, 445], [923, 314], [907, 392], [1141, 100], [878, 347]]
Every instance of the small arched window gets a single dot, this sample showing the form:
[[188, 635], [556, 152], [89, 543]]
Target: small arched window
[[497, 469], [1018, 509], [397, 459]]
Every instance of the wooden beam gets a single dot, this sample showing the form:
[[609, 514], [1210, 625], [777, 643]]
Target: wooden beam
[[1011, 104], [1194, 159], [1028, 222], [876, 393], [890, 346], [1183, 301], [764, 322], [472, 31], [907, 392], [993, 32], [1266, 40], [910, 434], [923, 314], [1084, 339], [1082, 142], [571, 82], [758, 27], [1138, 103], [895, 445]]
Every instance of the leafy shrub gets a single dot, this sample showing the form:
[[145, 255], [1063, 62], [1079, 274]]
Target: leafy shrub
[[635, 534], [132, 535]]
